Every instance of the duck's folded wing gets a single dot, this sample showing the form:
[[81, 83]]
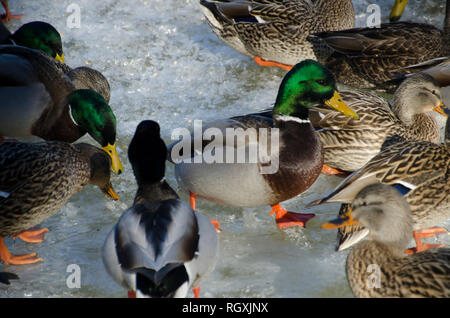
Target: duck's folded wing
[[219, 129], [156, 234]]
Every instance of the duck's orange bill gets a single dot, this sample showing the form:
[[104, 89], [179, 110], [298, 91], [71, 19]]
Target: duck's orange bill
[[341, 221], [440, 110]]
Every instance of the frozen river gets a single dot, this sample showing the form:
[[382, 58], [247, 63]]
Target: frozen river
[[164, 63]]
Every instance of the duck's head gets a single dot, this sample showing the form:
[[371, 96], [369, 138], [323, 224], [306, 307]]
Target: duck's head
[[100, 164], [40, 36], [90, 111], [308, 84], [417, 94], [383, 211], [147, 153], [397, 10]]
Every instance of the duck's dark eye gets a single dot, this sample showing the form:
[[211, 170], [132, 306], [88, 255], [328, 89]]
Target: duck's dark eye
[[322, 82]]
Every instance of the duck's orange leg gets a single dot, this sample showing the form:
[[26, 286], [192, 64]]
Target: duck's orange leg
[[8, 258], [131, 294], [9, 16], [192, 197], [418, 235], [258, 60], [287, 219], [329, 171], [196, 291], [33, 235]]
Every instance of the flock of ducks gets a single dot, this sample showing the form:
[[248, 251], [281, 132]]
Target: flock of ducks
[[397, 186]]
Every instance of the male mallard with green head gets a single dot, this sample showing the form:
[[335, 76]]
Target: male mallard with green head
[[299, 155], [39, 99], [35, 35], [37, 179]]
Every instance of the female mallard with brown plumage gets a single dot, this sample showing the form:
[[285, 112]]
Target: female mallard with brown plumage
[[38, 99], [377, 267], [350, 143], [296, 162], [37, 179], [372, 57], [418, 169], [275, 33]]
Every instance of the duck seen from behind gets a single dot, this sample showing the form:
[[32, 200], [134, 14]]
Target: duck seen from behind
[[377, 267], [296, 154], [38, 99], [160, 247], [37, 179]]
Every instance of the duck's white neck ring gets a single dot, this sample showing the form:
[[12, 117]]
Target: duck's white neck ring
[[292, 118], [71, 117]]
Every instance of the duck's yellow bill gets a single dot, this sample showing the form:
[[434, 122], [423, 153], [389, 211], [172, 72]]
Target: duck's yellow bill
[[116, 164], [397, 10], [109, 192], [337, 103], [440, 110], [341, 221], [60, 58]]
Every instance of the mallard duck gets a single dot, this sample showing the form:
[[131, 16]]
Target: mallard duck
[[8, 15], [295, 158], [350, 143], [372, 57], [36, 35], [377, 267], [37, 179], [5, 277], [39, 99], [160, 247], [275, 33], [397, 10], [419, 170]]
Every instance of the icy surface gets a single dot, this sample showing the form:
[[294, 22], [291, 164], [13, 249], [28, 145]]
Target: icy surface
[[164, 63]]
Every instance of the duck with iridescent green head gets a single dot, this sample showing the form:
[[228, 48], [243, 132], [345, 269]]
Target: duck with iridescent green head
[[35, 35], [292, 159], [38, 99]]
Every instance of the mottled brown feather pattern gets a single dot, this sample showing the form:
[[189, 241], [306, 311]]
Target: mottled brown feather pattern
[[423, 164], [39, 178], [350, 143], [425, 274], [283, 36]]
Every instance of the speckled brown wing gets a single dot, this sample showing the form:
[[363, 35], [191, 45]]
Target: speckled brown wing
[[372, 57], [425, 274], [36, 180]]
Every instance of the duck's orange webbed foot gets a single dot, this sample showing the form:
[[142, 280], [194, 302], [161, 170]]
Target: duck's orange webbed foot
[[196, 291], [8, 16], [131, 294], [33, 235], [8, 258], [287, 219], [258, 60], [418, 235]]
